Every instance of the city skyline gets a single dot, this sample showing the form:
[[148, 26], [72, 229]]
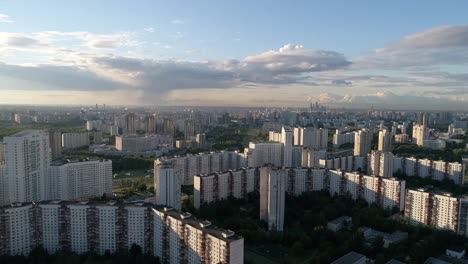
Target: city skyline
[[350, 55]]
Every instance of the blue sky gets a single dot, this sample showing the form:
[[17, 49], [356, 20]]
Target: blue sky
[[196, 39]]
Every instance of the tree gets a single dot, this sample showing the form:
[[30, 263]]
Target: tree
[[297, 249], [142, 187], [135, 250]]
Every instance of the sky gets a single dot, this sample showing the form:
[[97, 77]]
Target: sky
[[390, 54]]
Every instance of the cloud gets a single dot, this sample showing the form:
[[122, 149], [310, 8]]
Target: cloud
[[92, 40], [387, 99], [290, 64], [5, 19], [149, 29], [19, 41], [287, 65], [177, 21], [52, 77], [446, 45]]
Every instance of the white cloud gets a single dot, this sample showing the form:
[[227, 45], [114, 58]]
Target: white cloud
[[5, 19], [149, 29], [177, 21], [446, 45]]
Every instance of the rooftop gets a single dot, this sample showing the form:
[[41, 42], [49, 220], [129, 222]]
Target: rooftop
[[350, 258], [68, 161], [341, 219], [26, 133]]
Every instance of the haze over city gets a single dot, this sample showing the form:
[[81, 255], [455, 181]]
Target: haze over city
[[262, 53]]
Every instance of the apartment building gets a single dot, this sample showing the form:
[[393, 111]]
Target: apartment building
[[273, 186], [79, 179], [133, 143], [186, 167], [27, 160], [167, 185], [439, 210], [75, 140], [221, 185], [113, 227]]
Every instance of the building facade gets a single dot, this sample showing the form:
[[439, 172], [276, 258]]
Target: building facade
[[114, 227]]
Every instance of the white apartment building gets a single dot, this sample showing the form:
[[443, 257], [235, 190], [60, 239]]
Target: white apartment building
[[420, 133], [167, 185], [75, 140], [438, 210], [417, 206], [186, 167], [217, 186], [133, 143], [172, 236], [340, 139], [362, 142], [287, 141], [311, 137], [445, 212], [79, 179], [385, 141], [311, 157], [381, 164], [259, 154], [273, 186], [401, 138], [27, 156]]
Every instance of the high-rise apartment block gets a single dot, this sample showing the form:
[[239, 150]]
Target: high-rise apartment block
[[362, 142], [259, 154], [113, 227], [75, 140], [133, 143], [55, 141], [381, 164], [428, 208], [79, 179], [130, 124], [150, 124], [401, 138], [221, 185], [273, 186], [343, 138], [204, 163], [287, 141], [385, 141], [27, 156], [167, 185], [310, 137], [420, 133]]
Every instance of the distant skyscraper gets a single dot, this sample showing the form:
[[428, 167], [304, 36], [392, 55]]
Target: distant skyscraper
[[130, 124], [27, 166], [201, 140], [422, 118], [55, 141], [385, 141], [273, 186], [151, 124], [169, 126], [189, 128], [362, 142], [167, 185]]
